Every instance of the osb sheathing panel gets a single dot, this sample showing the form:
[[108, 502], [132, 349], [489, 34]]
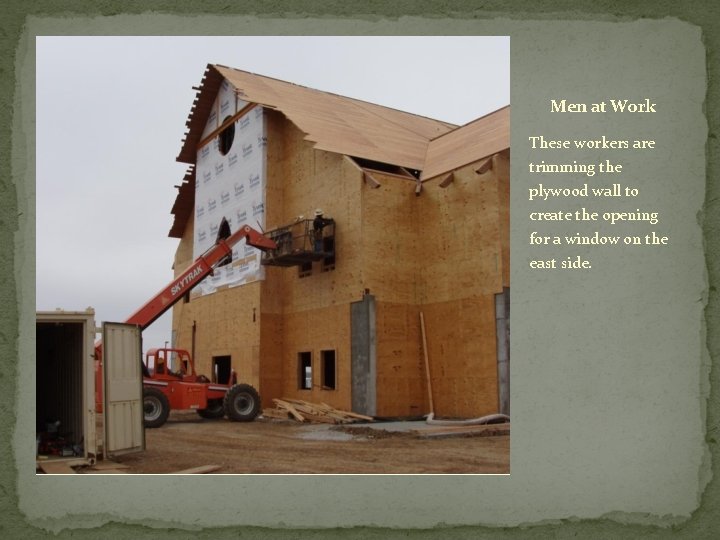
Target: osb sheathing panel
[[501, 171], [314, 331], [390, 239], [302, 179], [462, 356], [310, 313], [271, 357], [439, 252], [401, 382], [460, 246]]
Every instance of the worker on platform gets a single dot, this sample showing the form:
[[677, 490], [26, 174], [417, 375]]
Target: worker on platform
[[319, 224]]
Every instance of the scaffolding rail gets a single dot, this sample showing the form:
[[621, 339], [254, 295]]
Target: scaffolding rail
[[300, 243]]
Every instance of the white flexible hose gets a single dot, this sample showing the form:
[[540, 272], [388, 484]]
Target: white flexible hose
[[471, 422]]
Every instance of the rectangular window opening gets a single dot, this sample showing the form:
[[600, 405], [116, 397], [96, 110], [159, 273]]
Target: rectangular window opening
[[329, 370], [305, 371], [221, 370]]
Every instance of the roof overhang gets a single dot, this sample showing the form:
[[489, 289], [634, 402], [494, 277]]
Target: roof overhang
[[474, 141]]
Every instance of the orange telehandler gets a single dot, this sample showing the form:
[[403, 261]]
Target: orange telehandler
[[169, 378], [170, 382]]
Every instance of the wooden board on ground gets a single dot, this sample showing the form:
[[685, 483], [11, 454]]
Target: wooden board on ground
[[305, 411], [280, 414], [284, 404]]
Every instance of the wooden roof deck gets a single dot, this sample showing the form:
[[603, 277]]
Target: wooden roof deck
[[345, 126], [332, 122]]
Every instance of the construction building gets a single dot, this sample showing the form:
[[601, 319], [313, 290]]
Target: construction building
[[417, 221]]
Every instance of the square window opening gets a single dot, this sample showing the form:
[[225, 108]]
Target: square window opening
[[305, 269]]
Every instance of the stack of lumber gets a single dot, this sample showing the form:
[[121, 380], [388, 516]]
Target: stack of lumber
[[304, 411]]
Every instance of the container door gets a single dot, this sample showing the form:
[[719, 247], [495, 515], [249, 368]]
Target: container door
[[123, 403]]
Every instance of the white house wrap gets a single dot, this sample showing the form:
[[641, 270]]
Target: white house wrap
[[230, 185]]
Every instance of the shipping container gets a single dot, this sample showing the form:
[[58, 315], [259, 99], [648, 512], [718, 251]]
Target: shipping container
[[67, 425]]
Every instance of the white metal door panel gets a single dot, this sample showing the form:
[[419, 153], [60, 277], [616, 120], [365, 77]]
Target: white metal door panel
[[123, 399]]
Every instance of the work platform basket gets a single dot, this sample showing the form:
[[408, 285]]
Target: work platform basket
[[300, 243]]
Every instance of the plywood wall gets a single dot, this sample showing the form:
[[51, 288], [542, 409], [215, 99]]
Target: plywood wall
[[391, 239], [300, 180], [401, 382], [461, 248], [271, 361], [501, 171], [311, 313], [462, 356], [227, 323], [313, 331], [445, 253]]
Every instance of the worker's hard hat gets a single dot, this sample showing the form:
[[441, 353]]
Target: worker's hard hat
[[318, 212]]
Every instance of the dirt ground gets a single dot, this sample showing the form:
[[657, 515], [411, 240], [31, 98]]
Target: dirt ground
[[268, 446]]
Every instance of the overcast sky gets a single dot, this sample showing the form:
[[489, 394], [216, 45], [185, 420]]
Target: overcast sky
[[111, 115]]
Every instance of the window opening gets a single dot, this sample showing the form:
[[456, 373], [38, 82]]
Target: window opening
[[221, 370], [305, 269], [329, 369], [223, 233], [328, 262], [226, 137], [305, 370]]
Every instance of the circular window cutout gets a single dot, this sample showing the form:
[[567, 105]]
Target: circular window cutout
[[226, 137]]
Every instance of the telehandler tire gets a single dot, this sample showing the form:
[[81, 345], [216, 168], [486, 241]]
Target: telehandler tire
[[242, 403], [156, 408], [215, 409]]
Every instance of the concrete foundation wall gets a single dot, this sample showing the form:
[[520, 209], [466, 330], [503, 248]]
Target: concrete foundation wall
[[363, 355]]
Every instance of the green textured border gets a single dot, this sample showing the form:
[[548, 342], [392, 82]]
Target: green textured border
[[704, 14]]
